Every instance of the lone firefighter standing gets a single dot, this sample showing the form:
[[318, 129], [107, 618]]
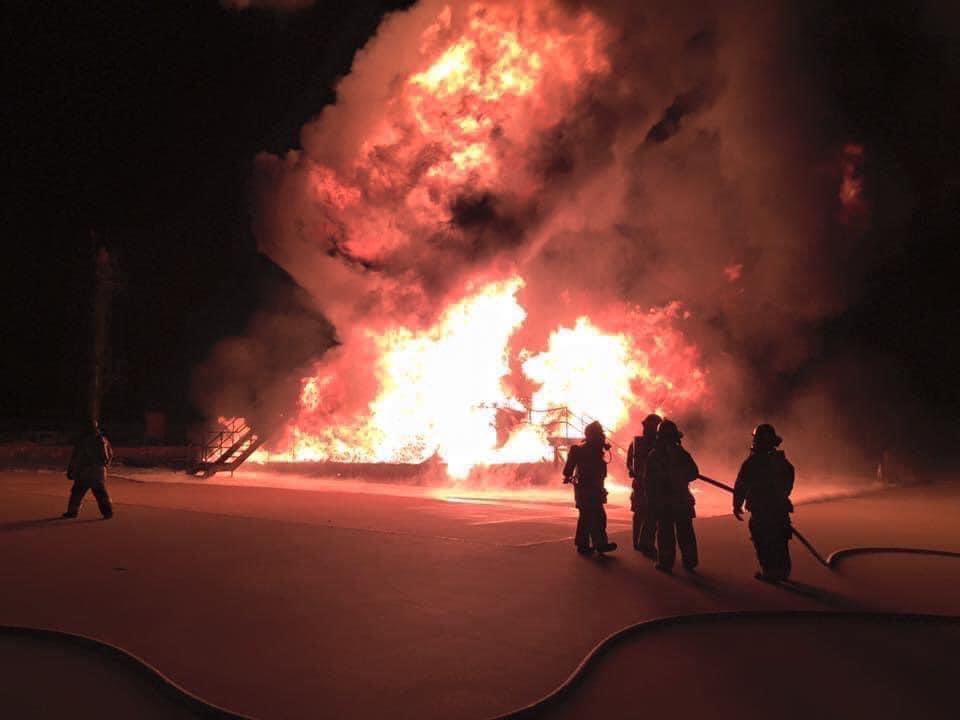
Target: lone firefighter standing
[[765, 482], [644, 521], [586, 468], [88, 470], [670, 470]]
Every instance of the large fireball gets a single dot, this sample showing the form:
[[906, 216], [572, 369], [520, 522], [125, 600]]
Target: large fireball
[[427, 209]]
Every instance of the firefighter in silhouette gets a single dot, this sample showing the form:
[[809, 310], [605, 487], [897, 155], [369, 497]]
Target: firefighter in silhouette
[[670, 470], [644, 522], [586, 468], [88, 470], [765, 482]]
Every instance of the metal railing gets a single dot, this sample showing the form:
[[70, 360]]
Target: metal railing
[[562, 426], [227, 447], [219, 441]]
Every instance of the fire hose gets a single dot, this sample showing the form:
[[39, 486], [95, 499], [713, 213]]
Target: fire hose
[[116, 656], [796, 533], [835, 557], [203, 708], [565, 689]]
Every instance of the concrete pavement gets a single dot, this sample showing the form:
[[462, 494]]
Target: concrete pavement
[[294, 604]]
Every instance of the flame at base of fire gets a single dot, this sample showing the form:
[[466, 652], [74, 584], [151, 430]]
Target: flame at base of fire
[[437, 392]]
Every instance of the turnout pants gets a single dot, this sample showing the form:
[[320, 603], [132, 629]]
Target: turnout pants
[[644, 525], [771, 534], [95, 481], [591, 526], [675, 527]]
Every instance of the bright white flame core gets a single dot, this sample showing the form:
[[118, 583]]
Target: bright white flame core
[[439, 390]]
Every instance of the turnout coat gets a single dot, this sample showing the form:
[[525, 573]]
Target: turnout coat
[[765, 482], [670, 470], [587, 466]]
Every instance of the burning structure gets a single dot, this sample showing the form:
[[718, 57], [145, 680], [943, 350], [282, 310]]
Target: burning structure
[[523, 215]]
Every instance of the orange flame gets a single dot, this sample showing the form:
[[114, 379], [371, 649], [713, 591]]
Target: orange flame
[[491, 82], [439, 389], [487, 86]]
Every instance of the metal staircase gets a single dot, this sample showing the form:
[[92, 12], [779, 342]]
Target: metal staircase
[[227, 448]]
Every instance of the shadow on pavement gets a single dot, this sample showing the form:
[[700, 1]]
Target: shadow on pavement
[[701, 581], [826, 597], [606, 561], [55, 521]]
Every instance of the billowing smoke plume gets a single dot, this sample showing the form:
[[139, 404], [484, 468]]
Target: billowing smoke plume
[[667, 161], [258, 375]]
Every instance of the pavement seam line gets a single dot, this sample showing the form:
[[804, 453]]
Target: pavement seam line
[[306, 523]]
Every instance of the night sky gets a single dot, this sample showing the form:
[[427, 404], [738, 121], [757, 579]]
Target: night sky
[[137, 122]]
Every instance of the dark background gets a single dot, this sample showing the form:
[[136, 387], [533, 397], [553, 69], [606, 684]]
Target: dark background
[[137, 122]]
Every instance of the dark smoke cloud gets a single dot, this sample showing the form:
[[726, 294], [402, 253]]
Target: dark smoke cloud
[[257, 375], [278, 5], [694, 170]]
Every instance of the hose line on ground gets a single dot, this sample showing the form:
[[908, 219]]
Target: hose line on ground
[[577, 676], [835, 557], [205, 709], [833, 560], [796, 533], [177, 694]]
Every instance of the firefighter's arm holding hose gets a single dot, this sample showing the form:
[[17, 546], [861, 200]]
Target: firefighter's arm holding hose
[[740, 492]]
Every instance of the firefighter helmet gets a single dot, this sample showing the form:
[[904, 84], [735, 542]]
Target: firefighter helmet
[[593, 430], [765, 437], [669, 431]]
